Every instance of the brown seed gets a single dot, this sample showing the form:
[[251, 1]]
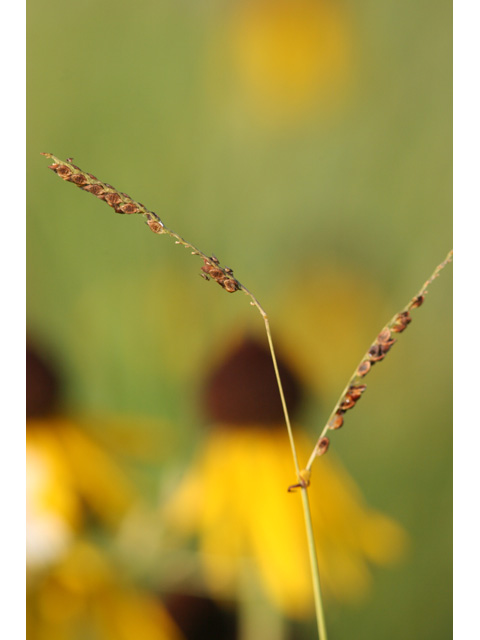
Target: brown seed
[[129, 208], [348, 403], [96, 189], [336, 422], [322, 446], [364, 368], [387, 345], [155, 226], [207, 266], [230, 285], [78, 179], [402, 320], [384, 336], [112, 199], [376, 353], [54, 166], [64, 172], [417, 302], [356, 391], [216, 273]]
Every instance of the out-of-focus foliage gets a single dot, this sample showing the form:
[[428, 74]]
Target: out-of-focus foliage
[[308, 145]]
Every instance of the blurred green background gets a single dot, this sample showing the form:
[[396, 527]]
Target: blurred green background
[[312, 155]]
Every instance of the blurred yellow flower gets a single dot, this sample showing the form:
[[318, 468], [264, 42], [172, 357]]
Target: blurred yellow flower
[[290, 55], [74, 589], [84, 596], [67, 471], [235, 500]]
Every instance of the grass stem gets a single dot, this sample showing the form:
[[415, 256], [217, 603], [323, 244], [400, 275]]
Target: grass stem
[[317, 593]]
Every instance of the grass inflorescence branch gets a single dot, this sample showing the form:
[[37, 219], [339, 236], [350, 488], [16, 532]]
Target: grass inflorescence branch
[[212, 269], [377, 351], [124, 204]]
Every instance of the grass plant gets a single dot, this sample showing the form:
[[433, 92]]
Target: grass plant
[[212, 269]]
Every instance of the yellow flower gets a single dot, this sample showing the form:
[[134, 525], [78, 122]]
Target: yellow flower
[[235, 500], [290, 55], [66, 470], [85, 594], [74, 590]]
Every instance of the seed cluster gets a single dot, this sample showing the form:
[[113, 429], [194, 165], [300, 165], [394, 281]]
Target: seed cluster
[[348, 401], [120, 202], [377, 352], [224, 276], [123, 203]]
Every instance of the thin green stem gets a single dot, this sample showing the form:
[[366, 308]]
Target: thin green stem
[[282, 396], [317, 593]]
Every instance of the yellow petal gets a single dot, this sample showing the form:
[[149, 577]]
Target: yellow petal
[[101, 483], [131, 615]]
